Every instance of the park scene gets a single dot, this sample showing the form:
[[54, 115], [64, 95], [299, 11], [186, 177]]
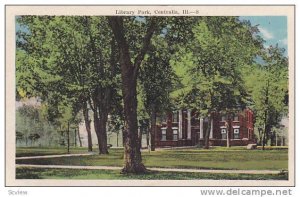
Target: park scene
[[152, 98]]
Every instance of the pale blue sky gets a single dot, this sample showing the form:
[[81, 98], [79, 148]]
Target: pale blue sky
[[273, 29]]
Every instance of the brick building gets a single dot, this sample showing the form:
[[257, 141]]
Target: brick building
[[186, 128]]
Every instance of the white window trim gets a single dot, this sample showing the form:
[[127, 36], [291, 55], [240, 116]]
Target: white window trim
[[222, 130], [163, 128], [236, 129]]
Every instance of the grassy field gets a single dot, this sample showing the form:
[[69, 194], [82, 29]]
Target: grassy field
[[37, 173], [39, 151], [215, 158]]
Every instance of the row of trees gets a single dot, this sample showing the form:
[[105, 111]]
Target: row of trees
[[33, 127], [92, 63]]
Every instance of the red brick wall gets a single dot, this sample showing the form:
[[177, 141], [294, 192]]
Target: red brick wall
[[245, 121]]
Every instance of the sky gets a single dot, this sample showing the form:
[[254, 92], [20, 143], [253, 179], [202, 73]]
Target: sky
[[273, 29]]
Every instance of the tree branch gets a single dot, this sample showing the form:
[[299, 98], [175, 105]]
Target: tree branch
[[145, 46], [117, 26]]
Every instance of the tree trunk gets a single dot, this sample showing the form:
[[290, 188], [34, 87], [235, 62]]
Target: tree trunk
[[117, 139], [264, 137], [228, 133], [263, 142], [266, 115], [227, 137], [87, 126], [140, 137], [207, 133], [132, 154], [79, 138], [129, 72], [153, 128], [100, 128], [260, 136], [147, 137], [265, 130]]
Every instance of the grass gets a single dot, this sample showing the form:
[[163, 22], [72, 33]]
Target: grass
[[215, 158], [40, 151], [37, 173]]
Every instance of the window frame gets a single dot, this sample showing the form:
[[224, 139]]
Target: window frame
[[173, 134], [223, 133], [236, 135], [163, 134]]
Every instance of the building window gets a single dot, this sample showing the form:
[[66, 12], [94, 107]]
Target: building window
[[163, 134], [236, 133], [175, 116], [236, 118], [224, 133], [175, 134]]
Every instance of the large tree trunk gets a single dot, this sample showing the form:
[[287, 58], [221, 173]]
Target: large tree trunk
[[87, 126], [100, 129], [207, 133], [132, 154], [103, 135], [129, 71], [153, 127]]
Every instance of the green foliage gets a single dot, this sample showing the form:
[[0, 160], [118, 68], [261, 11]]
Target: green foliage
[[267, 84], [209, 67], [67, 61], [32, 127], [156, 77]]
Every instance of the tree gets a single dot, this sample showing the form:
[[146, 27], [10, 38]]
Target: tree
[[129, 72], [77, 55], [267, 82], [19, 136], [211, 77], [137, 32], [156, 78]]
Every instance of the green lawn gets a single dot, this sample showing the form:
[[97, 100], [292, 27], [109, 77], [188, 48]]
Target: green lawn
[[215, 158], [37, 173], [39, 151]]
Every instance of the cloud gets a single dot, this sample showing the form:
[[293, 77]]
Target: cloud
[[266, 34]]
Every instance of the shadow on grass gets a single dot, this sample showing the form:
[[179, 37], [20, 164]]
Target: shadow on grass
[[44, 173]]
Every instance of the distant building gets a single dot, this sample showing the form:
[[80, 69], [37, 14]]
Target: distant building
[[186, 128]]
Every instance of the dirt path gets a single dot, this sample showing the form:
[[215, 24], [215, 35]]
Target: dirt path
[[154, 169]]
